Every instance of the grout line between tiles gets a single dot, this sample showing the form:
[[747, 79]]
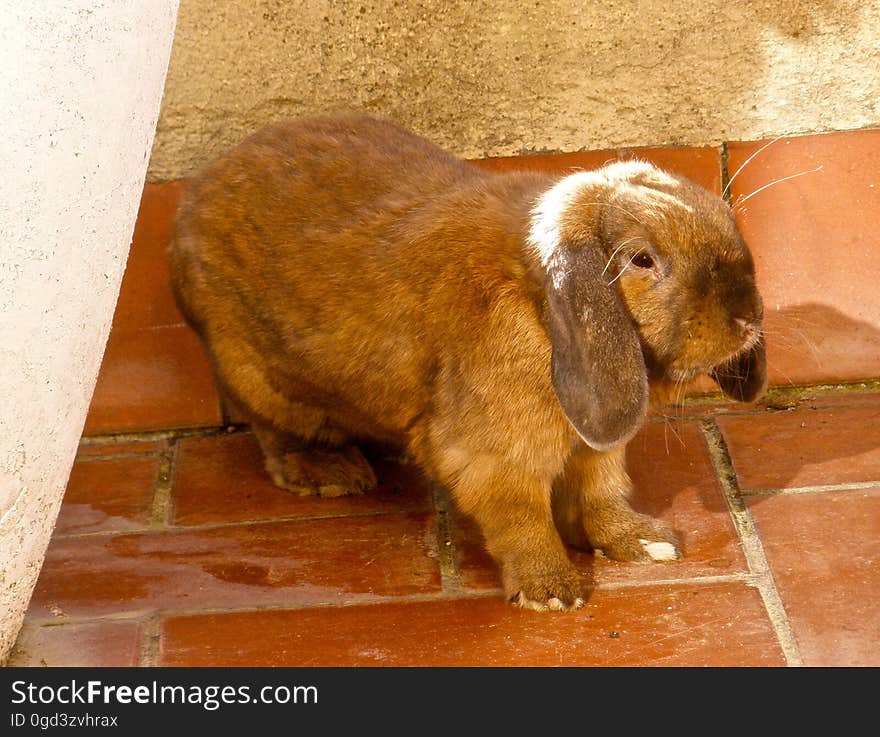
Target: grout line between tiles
[[675, 581], [702, 411], [724, 161], [160, 512], [446, 552], [751, 542], [155, 328], [811, 489], [133, 456], [155, 435], [238, 523], [776, 395], [150, 641], [142, 614]]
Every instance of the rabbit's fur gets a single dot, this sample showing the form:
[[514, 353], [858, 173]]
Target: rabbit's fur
[[352, 281]]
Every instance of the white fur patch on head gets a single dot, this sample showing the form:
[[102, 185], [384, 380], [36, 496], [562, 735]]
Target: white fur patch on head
[[648, 178], [641, 177], [544, 233], [659, 550]]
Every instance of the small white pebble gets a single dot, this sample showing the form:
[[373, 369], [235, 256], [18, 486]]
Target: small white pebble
[[658, 550]]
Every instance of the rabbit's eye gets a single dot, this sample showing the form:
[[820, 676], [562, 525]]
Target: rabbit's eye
[[643, 260]]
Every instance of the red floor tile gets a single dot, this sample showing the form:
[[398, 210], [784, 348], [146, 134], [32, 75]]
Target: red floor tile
[[817, 447], [705, 625], [108, 495], [701, 165], [145, 298], [823, 549], [151, 379], [815, 245], [222, 479], [88, 644], [674, 481], [284, 563], [154, 374]]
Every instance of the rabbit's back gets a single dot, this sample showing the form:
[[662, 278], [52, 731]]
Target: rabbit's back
[[292, 260]]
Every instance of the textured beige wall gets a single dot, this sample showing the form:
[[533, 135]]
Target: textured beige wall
[[496, 77]]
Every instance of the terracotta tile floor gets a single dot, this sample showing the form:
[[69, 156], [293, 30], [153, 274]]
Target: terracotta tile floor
[[173, 547]]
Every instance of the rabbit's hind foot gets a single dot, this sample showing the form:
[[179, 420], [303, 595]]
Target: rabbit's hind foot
[[322, 472]]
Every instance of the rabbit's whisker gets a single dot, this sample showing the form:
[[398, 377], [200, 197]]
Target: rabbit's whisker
[[669, 424], [737, 375], [783, 342], [801, 320], [778, 181], [745, 163], [617, 250], [681, 387], [780, 332], [784, 375], [787, 329], [809, 343], [625, 266]]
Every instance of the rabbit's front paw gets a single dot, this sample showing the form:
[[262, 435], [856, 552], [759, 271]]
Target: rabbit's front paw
[[638, 538], [557, 591]]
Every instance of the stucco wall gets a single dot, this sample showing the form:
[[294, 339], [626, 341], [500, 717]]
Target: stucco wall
[[494, 77], [86, 79]]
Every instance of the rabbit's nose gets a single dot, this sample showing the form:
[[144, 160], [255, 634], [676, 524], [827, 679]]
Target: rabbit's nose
[[747, 329]]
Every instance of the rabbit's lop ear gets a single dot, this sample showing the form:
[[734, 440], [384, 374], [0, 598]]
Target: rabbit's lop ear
[[745, 378], [597, 365]]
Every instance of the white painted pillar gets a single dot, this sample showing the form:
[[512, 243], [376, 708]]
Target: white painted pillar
[[80, 83]]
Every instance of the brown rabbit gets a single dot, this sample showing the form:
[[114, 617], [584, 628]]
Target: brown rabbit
[[353, 282]]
